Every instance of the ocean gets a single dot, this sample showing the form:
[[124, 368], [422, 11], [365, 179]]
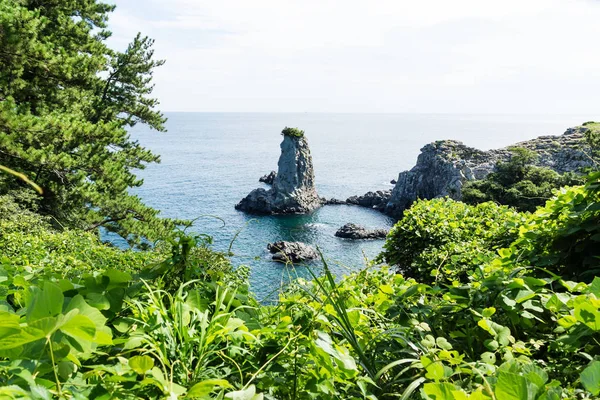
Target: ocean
[[209, 161]]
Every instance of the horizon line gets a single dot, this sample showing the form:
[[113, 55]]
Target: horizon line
[[378, 113]]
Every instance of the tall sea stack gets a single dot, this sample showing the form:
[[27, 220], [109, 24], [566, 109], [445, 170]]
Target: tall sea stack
[[293, 190]]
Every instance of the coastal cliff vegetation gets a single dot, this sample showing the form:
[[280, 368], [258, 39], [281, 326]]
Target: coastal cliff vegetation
[[479, 302], [518, 182]]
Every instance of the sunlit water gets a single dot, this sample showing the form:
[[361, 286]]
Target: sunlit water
[[212, 160]]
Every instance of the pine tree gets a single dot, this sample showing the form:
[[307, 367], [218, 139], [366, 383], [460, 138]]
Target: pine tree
[[66, 103]]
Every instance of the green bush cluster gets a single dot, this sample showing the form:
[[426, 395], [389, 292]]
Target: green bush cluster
[[504, 327], [442, 240], [27, 240], [564, 235], [518, 183]]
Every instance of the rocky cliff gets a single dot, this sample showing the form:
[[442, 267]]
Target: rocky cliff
[[444, 166], [293, 190]]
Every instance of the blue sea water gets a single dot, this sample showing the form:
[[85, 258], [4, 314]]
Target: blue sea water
[[212, 160]]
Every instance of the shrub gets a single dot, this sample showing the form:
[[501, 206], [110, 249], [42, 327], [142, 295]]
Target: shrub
[[564, 236], [518, 183], [294, 132], [443, 239]]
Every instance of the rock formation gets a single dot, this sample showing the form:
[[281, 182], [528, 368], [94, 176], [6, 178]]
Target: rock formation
[[444, 166], [293, 190], [269, 178], [376, 200], [353, 231], [332, 202], [292, 251]]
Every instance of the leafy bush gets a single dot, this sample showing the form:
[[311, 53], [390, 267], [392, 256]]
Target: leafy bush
[[503, 333], [294, 132], [564, 236], [28, 241], [518, 183], [442, 239]]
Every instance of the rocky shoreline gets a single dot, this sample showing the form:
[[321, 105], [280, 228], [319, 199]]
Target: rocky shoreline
[[444, 166], [441, 170]]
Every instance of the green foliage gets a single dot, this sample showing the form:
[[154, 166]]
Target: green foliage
[[592, 136], [293, 132], [564, 236], [29, 243], [66, 101], [518, 183], [504, 332], [443, 240]]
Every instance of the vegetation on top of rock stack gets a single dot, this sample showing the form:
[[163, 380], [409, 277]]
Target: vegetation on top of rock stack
[[293, 132], [518, 183]]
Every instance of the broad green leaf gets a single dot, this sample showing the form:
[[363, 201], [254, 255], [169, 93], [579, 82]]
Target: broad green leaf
[[594, 287], [47, 302], [245, 394], [511, 386], [117, 277], [435, 369], [141, 364], [590, 378], [535, 375], [589, 315], [428, 341], [439, 391], [488, 312], [206, 387], [9, 324], [47, 325], [488, 358], [97, 300], [442, 343], [524, 295], [80, 327], [85, 309], [27, 334]]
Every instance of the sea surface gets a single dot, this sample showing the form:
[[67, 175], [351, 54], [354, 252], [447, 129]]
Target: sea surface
[[212, 160]]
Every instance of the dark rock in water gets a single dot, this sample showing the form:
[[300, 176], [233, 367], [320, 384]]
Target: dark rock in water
[[376, 200], [269, 178], [393, 182], [332, 201], [353, 231], [293, 190], [444, 166], [292, 251]]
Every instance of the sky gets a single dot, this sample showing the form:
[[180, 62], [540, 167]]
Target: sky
[[373, 56]]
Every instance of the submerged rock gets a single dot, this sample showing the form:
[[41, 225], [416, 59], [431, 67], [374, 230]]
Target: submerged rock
[[292, 251], [269, 178], [444, 166], [353, 231], [293, 190], [376, 200]]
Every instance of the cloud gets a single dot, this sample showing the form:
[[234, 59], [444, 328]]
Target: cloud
[[379, 55]]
